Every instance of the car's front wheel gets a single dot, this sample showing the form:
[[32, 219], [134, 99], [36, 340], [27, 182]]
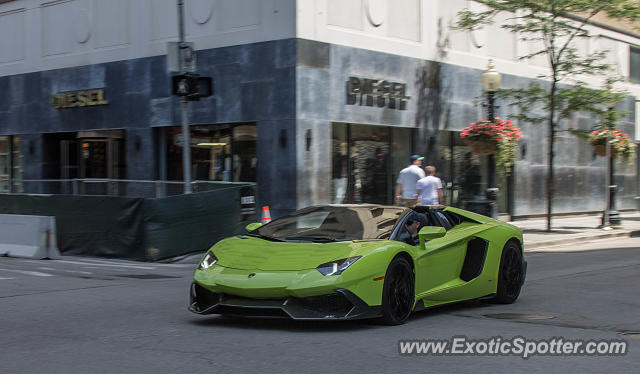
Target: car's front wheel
[[511, 274], [398, 292]]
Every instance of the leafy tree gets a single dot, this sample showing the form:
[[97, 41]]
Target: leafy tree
[[555, 25]]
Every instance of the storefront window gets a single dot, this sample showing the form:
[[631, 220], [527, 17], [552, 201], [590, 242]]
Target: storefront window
[[5, 163], [10, 163], [401, 141], [366, 161], [340, 163], [218, 153], [17, 164], [460, 170], [465, 175]]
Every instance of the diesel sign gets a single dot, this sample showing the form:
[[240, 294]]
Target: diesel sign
[[376, 92], [78, 99]]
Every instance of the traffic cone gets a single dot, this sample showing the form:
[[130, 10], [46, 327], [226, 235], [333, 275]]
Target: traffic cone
[[266, 215]]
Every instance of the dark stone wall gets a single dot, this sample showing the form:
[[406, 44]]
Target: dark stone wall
[[252, 83], [293, 88], [444, 97]]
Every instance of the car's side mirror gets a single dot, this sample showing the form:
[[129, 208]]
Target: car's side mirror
[[431, 232], [253, 226]]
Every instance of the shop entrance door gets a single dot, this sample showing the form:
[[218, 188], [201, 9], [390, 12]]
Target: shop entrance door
[[95, 161]]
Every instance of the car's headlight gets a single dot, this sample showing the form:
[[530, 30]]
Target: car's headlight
[[337, 267], [208, 261]]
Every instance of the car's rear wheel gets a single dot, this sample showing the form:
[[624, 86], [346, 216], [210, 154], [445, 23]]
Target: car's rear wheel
[[398, 292], [511, 275]]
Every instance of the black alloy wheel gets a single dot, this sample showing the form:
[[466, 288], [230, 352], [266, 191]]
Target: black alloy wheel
[[398, 292], [511, 275]]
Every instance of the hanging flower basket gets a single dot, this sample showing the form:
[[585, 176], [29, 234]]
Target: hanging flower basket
[[620, 144], [601, 150], [482, 148], [499, 137]]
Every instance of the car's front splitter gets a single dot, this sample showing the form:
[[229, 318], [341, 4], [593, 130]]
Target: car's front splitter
[[340, 305]]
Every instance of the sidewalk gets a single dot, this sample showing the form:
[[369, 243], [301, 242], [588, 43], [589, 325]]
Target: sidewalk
[[575, 229]]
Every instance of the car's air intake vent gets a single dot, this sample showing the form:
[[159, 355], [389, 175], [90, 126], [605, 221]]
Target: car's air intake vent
[[474, 259]]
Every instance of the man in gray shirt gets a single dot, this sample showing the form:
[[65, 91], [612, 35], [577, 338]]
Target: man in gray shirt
[[406, 184]]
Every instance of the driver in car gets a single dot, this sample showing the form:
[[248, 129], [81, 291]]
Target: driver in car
[[412, 227]]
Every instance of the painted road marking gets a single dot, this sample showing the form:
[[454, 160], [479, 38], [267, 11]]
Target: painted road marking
[[107, 265], [67, 271], [28, 272]]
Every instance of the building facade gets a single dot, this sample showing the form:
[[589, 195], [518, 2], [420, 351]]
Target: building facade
[[316, 101]]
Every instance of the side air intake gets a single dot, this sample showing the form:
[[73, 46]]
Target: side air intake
[[474, 259]]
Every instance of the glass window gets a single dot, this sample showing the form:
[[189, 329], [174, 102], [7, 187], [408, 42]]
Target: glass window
[[443, 220], [218, 153], [332, 223], [401, 141], [634, 64], [17, 163], [366, 161], [369, 155], [10, 163], [460, 170], [340, 163], [5, 163]]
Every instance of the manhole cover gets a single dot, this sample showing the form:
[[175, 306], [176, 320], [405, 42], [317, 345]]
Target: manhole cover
[[631, 334], [146, 276], [518, 316]]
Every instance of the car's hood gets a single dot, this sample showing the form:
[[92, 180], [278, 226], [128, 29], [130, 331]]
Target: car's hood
[[251, 253]]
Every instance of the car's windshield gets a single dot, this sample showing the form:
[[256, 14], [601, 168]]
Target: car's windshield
[[333, 223]]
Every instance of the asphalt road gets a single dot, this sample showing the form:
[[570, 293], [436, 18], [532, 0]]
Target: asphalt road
[[84, 315]]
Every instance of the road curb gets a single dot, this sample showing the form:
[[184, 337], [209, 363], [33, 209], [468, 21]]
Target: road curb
[[547, 243]]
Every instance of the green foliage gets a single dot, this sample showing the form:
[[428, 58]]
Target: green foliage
[[557, 26]]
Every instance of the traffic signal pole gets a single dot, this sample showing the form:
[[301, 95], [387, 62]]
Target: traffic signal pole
[[184, 108]]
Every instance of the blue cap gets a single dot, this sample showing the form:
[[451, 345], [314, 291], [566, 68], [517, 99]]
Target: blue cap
[[416, 158]]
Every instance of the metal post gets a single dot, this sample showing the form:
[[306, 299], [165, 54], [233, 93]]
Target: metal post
[[186, 141], [491, 193], [491, 161], [607, 195], [614, 216], [610, 216]]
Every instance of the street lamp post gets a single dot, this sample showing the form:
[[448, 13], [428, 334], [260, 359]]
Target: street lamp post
[[491, 79], [610, 216]]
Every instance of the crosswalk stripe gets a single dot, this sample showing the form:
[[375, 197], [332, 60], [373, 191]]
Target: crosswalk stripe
[[28, 272], [67, 271], [107, 265]]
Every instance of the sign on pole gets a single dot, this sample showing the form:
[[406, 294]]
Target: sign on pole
[[181, 57]]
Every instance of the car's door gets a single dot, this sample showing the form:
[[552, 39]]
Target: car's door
[[438, 265]]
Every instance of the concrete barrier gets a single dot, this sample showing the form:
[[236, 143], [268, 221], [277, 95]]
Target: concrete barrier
[[28, 236]]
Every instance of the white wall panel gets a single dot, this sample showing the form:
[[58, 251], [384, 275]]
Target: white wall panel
[[12, 36], [111, 20], [233, 14], [57, 28], [164, 21], [404, 19], [345, 13], [501, 43]]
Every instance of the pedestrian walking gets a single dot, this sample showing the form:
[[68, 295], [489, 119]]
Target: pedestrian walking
[[429, 188], [406, 184]]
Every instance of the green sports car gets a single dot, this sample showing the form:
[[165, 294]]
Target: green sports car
[[360, 261]]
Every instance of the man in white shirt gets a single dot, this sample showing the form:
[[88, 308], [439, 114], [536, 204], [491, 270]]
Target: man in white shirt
[[406, 184], [429, 188]]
